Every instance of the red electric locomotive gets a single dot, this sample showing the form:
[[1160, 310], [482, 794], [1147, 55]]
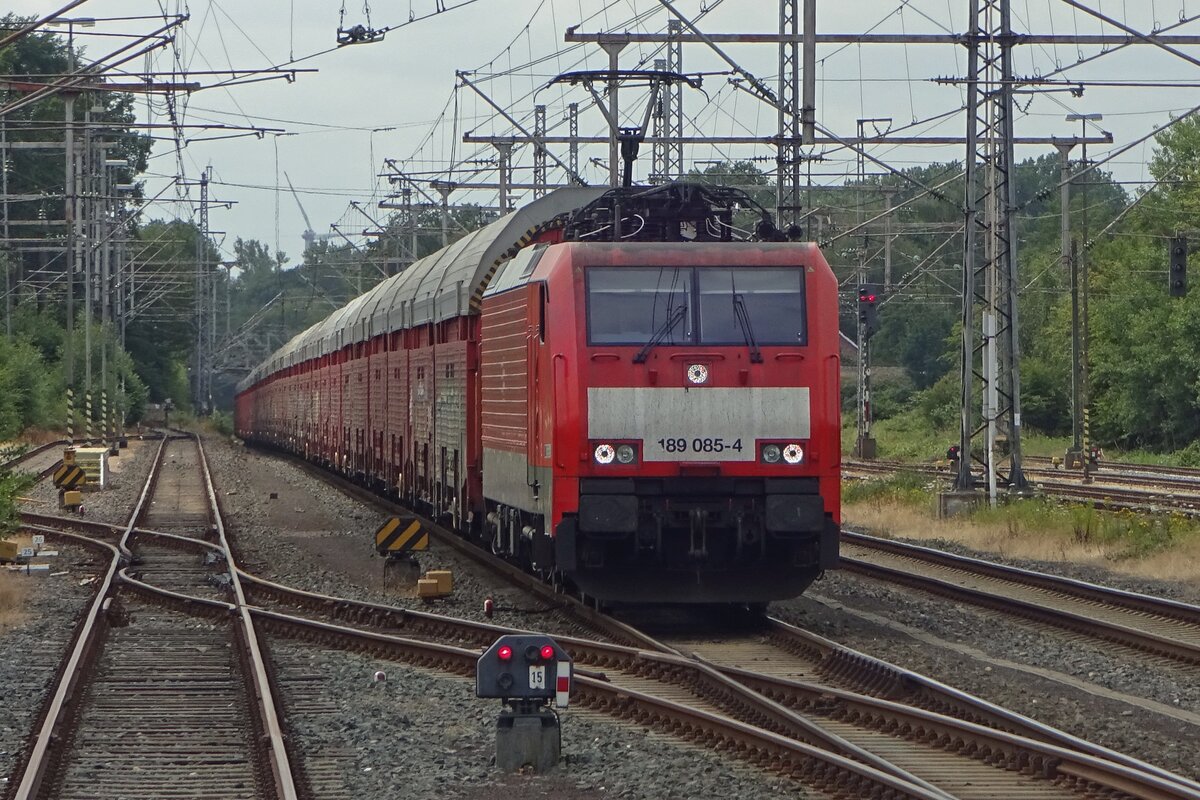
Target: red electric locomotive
[[648, 411]]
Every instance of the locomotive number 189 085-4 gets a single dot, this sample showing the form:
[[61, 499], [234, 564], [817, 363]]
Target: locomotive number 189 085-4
[[699, 444]]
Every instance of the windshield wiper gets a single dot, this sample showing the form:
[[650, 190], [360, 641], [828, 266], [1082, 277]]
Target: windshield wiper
[[668, 325], [743, 318]]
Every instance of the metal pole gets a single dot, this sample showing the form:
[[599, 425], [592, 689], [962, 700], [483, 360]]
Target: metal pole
[[1076, 360], [1009, 262], [573, 151], [614, 108], [69, 216], [809, 110], [673, 160], [1068, 256], [505, 151], [787, 171], [88, 252], [444, 190], [888, 193], [8, 302], [102, 206], [539, 152], [965, 480]]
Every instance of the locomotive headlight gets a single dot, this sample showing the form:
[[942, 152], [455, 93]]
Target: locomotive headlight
[[604, 454], [793, 454], [771, 453], [626, 454]]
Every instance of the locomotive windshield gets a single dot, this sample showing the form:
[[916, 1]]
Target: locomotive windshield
[[630, 305]]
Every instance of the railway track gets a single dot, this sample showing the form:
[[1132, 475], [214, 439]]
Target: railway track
[[703, 702], [836, 720], [1167, 629], [885, 712], [1112, 486], [38, 461], [155, 700]]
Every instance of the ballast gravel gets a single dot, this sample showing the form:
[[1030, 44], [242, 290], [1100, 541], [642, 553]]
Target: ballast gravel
[[293, 528], [113, 504], [419, 734], [31, 650], [312, 536], [991, 639]]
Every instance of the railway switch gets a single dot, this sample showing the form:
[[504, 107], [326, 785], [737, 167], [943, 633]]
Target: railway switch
[[527, 673]]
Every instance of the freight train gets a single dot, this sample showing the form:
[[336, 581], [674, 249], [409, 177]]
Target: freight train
[[612, 388]]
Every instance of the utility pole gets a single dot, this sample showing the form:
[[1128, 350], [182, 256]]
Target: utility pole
[[1074, 454], [1079, 302], [787, 161], [888, 193], [504, 149], [614, 112], [667, 162], [539, 152], [864, 442], [201, 384], [993, 286], [573, 132]]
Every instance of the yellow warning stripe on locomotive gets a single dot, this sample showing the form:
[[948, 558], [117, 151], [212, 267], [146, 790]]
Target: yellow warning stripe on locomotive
[[401, 536], [526, 238]]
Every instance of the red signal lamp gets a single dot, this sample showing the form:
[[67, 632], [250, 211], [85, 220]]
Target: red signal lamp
[[504, 653], [547, 652]]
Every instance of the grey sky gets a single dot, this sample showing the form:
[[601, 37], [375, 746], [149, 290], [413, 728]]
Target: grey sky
[[403, 89]]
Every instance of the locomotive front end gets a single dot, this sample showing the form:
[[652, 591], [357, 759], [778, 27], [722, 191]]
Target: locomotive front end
[[708, 423]]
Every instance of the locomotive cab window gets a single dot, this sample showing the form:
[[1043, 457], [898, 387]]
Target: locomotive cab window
[[702, 305], [770, 301], [630, 305]]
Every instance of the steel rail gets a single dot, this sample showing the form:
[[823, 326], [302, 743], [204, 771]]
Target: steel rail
[[1143, 495], [528, 583], [1095, 764], [781, 753], [462, 661], [45, 754], [887, 679], [280, 762], [1044, 613], [1133, 601]]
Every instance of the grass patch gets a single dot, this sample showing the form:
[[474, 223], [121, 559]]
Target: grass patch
[[903, 488], [1160, 546], [907, 437]]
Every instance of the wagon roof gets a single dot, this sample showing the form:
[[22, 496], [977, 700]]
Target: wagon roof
[[432, 289]]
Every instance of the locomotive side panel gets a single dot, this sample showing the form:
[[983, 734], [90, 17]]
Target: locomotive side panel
[[506, 341]]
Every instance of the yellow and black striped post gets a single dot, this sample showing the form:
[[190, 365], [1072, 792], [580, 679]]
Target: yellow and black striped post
[[70, 416], [398, 537], [104, 414], [87, 414], [1086, 436]]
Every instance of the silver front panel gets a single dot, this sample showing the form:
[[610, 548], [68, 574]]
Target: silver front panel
[[706, 424]]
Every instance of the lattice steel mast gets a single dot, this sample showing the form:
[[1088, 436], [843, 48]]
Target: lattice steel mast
[[990, 346]]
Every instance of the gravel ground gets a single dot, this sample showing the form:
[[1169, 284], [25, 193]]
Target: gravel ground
[[127, 476], [948, 628], [32, 648], [365, 739], [379, 734], [314, 537]]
